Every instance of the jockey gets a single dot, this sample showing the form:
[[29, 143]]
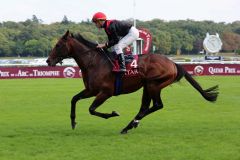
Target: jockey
[[120, 35]]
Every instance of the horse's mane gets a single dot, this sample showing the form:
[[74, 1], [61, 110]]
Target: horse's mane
[[86, 42]]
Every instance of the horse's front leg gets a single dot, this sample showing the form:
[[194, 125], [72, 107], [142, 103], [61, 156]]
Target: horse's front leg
[[100, 99], [83, 94]]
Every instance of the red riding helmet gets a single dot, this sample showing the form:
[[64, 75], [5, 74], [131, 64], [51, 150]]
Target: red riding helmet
[[99, 16]]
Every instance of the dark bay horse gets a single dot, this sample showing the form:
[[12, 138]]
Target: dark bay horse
[[155, 73]]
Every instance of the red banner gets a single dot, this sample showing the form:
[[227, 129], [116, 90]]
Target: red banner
[[39, 72], [212, 69], [147, 39], [74, 72]]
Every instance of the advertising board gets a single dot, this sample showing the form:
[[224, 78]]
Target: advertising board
[[75, 72]]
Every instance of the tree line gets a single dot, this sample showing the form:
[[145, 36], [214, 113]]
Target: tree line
[[33, 38]]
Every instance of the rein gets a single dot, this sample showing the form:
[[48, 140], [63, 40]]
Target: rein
[[88, 50], [102, 52], [62, 58], [107, 56]]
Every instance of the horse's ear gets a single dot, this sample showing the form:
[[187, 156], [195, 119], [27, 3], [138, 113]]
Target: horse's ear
[[72, 35], [66, 35]]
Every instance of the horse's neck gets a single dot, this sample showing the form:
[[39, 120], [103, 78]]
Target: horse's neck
[[89, 60], [84, 56]]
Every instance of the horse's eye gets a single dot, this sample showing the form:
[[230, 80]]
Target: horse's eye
[[57, 45]]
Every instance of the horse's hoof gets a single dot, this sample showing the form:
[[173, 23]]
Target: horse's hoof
[[73, 125], [114, 114], [135, 123], [124, 131]]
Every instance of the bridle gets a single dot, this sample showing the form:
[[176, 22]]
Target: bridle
[[61, 58]]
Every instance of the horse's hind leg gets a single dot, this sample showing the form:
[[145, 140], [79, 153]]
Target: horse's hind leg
[[100, 99], [157, 104], [154, 94], [146, 100]]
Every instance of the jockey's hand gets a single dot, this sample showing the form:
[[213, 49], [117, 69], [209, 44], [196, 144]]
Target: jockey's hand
[[101, 45]]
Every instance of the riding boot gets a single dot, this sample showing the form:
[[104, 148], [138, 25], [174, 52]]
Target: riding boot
[[121, 61]]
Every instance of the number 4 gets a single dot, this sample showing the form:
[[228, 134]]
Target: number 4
[[134, 64]]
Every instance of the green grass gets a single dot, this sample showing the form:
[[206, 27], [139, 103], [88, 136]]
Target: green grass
[[35, 123]]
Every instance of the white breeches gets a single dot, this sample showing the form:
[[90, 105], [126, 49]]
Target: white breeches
[[132, 36]]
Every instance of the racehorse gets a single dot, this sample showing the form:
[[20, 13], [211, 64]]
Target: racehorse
[[154, 73]]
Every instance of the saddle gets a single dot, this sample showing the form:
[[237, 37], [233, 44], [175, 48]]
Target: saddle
[[131, 61]]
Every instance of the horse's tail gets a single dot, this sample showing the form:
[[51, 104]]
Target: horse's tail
[[209, 94]]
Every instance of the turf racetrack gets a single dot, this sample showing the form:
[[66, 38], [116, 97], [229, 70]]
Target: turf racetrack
[[35, 123]]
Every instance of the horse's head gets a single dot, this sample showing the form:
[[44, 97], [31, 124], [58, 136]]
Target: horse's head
[[60, 51]]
